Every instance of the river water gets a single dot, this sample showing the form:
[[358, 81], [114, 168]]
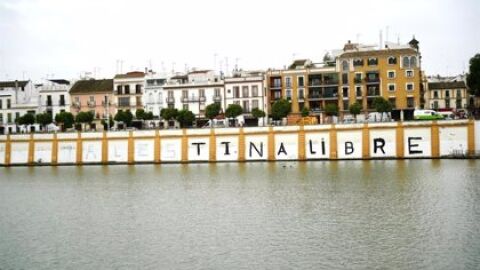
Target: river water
[[412, 214]]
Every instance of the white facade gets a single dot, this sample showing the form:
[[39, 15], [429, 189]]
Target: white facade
[[153, 96], [246, 90], [16, 99], [128, 91], [194, 91], [54, 97]]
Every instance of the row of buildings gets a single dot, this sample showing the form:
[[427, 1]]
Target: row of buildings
[[356, 73]]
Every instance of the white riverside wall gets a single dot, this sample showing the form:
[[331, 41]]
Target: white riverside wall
[[358, 141]]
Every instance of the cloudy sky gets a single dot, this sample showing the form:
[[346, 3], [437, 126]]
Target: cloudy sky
[[62, 39]]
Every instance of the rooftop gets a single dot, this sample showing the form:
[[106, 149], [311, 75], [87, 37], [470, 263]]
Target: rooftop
[[92, 86], [132, 74], [11, 84], [446, 85]]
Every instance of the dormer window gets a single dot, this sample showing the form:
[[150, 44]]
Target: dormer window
[[392, 60], [372, 61]]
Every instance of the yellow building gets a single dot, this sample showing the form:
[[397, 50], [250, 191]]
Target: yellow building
[[356, 74]]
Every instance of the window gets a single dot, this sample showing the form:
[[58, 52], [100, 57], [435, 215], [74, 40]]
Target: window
[[185, 106], [127, 89], [301, 81], [372, 61], [185, 94], [358, 91], [406, 62], [17, 115], [393, 101], [358, 62], [1, 104], [124, 101], [9, 117], [409, 87], [345, 105], [435, 105], [458, 104], [413, 61], [289, 94], [201, 93], [288, 82], [49, 100], [244, 91], [246, 106], [62, 100], [435, 94], [447, 94], [409, 73], [447, 103], [236, 92], [1, 118], [345, 92], [345, 78], [392, 60], [301, 94], [170, 94], [410, 102], [9, 104], [391, 87], [254, 104], [358, 77], [277, 83], [345, 65], [459, 93], [254, 90], [391, 74], [91, 98], [119, 89], [217, 92], [138, 89]]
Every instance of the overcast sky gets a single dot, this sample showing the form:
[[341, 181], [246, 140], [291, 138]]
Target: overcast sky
[[40, 38]]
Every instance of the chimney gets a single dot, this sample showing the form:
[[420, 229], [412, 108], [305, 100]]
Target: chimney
[[16, 90]]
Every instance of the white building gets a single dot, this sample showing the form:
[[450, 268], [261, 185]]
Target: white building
[[446, 94], [246, 89], [128, 91], [153, 95], [16, 99], [54, 97], [194, 91]]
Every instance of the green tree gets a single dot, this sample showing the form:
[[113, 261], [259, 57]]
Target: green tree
[[331, 109], [257, 113], [305, 112], [280, 109], [84, 117], [233, 110], [140, 114], [148, 116], [169, 113], [185, 118], [124, 116], [473, 76], [66, 119], [355, 109], [43, 119], [382, 106], [26, 119], [110, 122], [212, 110]]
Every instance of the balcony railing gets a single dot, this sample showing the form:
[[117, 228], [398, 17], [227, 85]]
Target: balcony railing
[[217, 98], [49, 103], [170, 100], [91, 104], [106, 103], [357, 80], [276, 85], [373, 92], [76, 105]]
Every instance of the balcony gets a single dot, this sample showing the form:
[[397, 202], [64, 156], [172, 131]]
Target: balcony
[[330, 81], [276, 86], [62, 103], [91, 104], [372, 77], [124, 104], [373, 92], [357, 80], [104, 104], [49, 103], [170, 100], [301, 98], [217, 98], [76, 104]]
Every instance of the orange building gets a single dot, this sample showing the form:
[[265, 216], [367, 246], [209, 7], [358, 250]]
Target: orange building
[[94, 96]]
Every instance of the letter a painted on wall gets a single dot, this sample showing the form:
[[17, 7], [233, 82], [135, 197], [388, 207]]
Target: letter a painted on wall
[[281, 149]]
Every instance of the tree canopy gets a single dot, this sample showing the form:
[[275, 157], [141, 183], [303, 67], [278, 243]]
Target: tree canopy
[[355, 109], [212, 110], [140, 114], [280, 109], [124, 116], [169, 113], [43, 118], [382, 105], [26, 119], [257, 113], [84, 117], [331, 109], [305, 112], [233, 110], [185, 118], [65, 118], [473, 76]]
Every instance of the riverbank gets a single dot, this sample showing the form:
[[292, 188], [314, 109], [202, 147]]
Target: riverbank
[[396, 140]]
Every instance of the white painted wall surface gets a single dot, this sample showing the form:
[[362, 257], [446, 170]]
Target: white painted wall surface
[[227, 148], [92, 151], [477, 135], [256, 147], [2, 153], [67, 152], [118, 151], [286, 146], [170, 150], [349, 144], [317, 145], [19, 154], [453, 139], [198, 149], [43, 152], [383, 143], [144, 150], [417, 142]]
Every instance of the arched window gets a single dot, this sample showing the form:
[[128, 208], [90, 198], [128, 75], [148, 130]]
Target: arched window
[[406, 62], [345, 65], [392, 60], [413, 61]]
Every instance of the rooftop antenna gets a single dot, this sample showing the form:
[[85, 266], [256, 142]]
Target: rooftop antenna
[[358, 38], [236, 63], [398, 39], [214, 62], [186, 68], [386, 33], [221, 66], [380, 45], [173, 67], [226, 66], [163, 67]]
